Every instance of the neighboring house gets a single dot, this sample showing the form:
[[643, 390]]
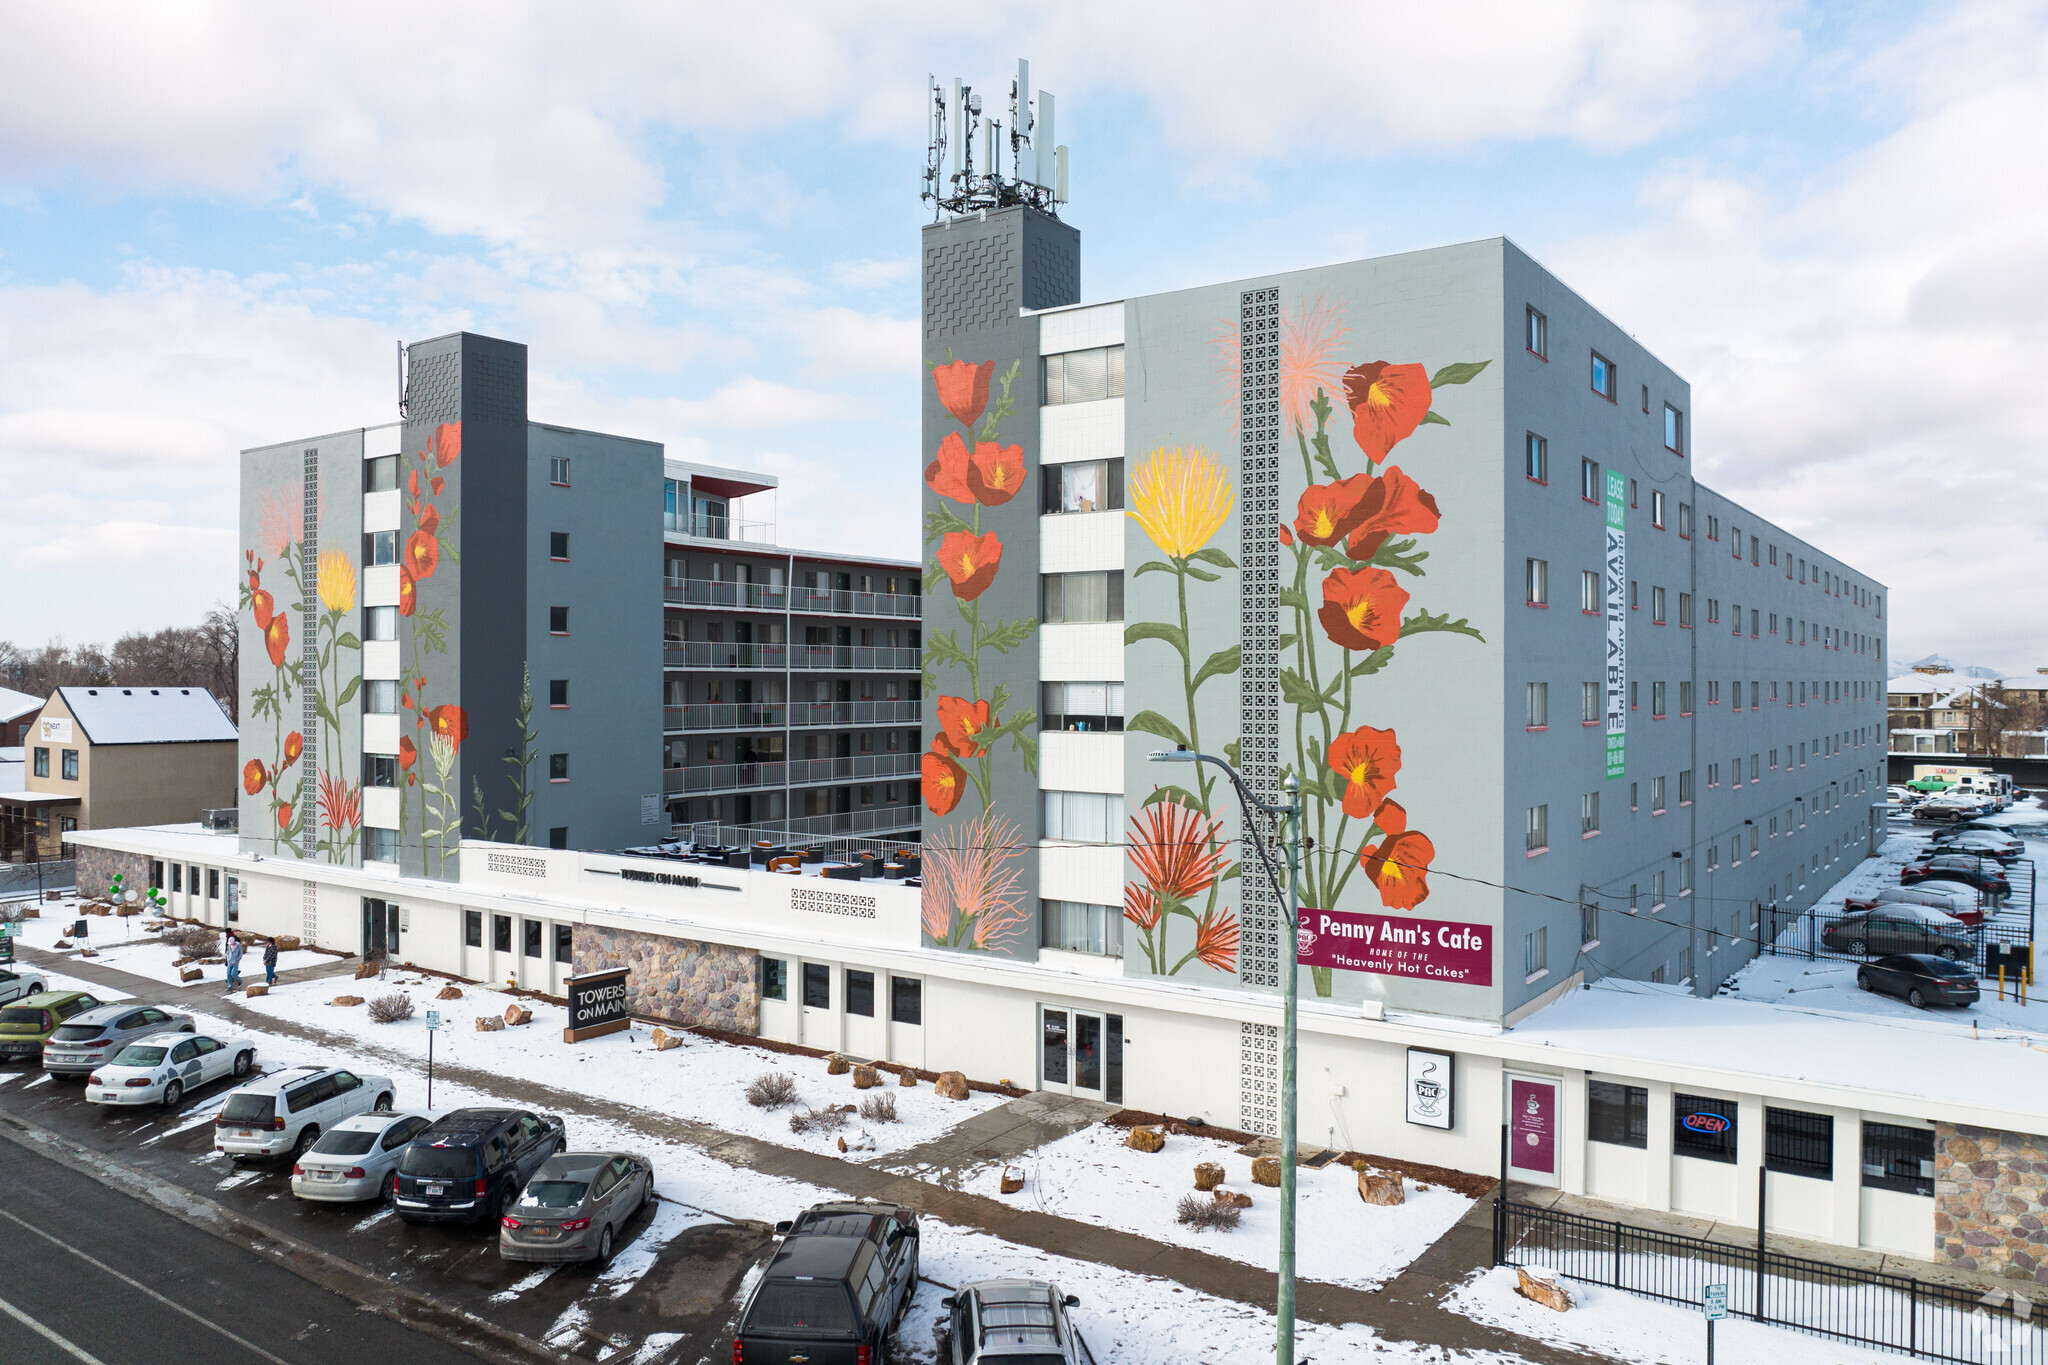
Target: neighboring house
[[17, 712], [103, 757]]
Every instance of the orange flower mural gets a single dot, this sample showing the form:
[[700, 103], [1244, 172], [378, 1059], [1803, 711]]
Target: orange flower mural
[[1367, 760], [1362, 608], [265, 608], [447, 444], [1141, 905], [277, 638], [1215, 940], [1388, 402], [253, 776], [422, 555], [1178, 854], [1329, 512], [963, 388], [408, 753], [947, 474], [971, 562], [995, 473], [408, 592], [964, 723], [1399, 863], [430, 518], [294, 745], [944, 781], [449, 722], [1395, 505]]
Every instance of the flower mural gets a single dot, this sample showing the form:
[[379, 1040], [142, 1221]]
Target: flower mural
[[973, 884], [437, 730], [1178, 854]]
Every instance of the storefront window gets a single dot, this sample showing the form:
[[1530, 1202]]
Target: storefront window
[[1703, 1127], [774, 979], [860, 993], [817, 986], [1618, 1114], [906, 1000], [1799, 1143], [1896, 1158]]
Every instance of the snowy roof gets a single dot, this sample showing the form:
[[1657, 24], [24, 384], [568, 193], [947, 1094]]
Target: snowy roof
[[147, 715], [14, 705], [1921, 682]]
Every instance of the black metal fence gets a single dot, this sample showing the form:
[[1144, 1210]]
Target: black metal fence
[[2005, 933], [1890, 1312]]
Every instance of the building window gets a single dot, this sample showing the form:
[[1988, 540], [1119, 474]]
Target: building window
[[1685, 611], [817, 986], [1537, 837], [1539, 705], [1589, 925], [1536, 953], [1633, 684], [1082, 817], [1081, 706], [1083, 376], [565, 944], [1657, 508], [501, 933], [860, 993], [1083, 486], [42, 762], [1799, 1143], [1538, 335], [558, 470], [380, 845], [1685, 520], [380, 623], [1589, 591], [1589, 702], [1078, 927], [1589, 813], [1618, 1115], [558, 545], [558, 620], [1082, 597], [1536, 582], [380, 697], [1634, 600], [178, 877], [1703, 1127], [1713, 528], [70, 762], [1685, 782], [380, 474], [1674, 430], [558, 691], [1589, 480], [774, 979], [379, 548], [530, 937], [1603, 376], [212, 884], [472, 928], [906, 1000], [1657, 794], [1657, 700], [558, 836], [558, 767], [1898, 1158], [1536, 458], [1646, 398], [1657, 605], [1685, 699]]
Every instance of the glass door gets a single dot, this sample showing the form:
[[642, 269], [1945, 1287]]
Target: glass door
[[1081, 1053]]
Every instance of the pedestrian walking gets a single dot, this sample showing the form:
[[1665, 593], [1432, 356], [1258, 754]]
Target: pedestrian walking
[[270, 962], [234, 959]]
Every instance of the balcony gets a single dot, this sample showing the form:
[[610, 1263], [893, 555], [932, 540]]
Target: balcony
[[779, 658], [705, 592], [704, 526], [791, 715], [711, 779], [874, 820]]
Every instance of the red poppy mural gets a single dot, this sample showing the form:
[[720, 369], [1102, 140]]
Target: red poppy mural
[[970, 562], [943, 781], [1387, 403], [963, 388], [995, 473], [947, 474], [1367, 760], [253, 776], [962, 724], [450, 723], [1362, 608]]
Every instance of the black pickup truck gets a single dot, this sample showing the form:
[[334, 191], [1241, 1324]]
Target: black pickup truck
[[835, 1289]]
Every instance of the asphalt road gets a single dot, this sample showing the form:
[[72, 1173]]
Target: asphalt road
[[90, 1274]]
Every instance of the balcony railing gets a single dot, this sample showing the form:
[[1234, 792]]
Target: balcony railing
[[802, 830], [795, 715], [705, 592], [711, 778], [707, 527], [776, 658]]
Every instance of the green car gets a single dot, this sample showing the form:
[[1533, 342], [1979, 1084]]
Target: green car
[[28, 1023]]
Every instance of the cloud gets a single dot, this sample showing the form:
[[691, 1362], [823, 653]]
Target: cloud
[[751, 404]]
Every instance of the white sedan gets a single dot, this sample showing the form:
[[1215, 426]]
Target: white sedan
[[355, 1158], [159, 1069]]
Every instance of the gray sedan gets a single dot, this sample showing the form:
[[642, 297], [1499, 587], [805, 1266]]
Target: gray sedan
[[86, 1040], [575, 1207]]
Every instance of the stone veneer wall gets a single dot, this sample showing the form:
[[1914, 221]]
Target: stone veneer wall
[[1991, 1201], [677, 980], [95, 867]]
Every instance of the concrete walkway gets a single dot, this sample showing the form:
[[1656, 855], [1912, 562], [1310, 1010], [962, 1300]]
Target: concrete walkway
[[1409, 1308], [997, 1136]]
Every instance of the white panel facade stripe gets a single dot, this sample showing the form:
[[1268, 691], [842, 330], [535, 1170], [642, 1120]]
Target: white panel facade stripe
[[1077, 329], [1077, 541], [1081, 431], [1093, 874], [380, 585], [1076, 762], [1081, 653], [380, 513]]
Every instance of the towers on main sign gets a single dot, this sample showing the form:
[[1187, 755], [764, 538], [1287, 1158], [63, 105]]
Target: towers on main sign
[[963, 170]]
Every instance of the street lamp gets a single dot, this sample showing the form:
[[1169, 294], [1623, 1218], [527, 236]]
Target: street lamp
[[1290, 838]]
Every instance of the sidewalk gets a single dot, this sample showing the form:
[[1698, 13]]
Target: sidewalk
[[1408, 1308]]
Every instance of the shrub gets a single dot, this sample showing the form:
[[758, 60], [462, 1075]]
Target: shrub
[[195, 940], [389, 1009], [771, 1090], [878, 1106], [830, 1119], [1203, 1214]]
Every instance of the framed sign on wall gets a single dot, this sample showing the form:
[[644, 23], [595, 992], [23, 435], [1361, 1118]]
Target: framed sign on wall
[[597, 1005], [1432, 1092]]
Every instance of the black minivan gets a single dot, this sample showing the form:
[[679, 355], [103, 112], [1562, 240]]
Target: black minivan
[[837, 1286], [472, 1163]]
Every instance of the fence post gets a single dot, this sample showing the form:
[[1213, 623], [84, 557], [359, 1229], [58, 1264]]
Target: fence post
[[1763, 1185], [1913, 1317], [1500, 1202]]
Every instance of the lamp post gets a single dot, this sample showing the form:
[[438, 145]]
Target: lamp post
[[1289, 813]]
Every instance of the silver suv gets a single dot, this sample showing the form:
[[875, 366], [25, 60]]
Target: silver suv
[[92, 1037], [287, 1112], [1003, 1320]]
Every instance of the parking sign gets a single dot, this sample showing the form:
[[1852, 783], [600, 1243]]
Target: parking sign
[[433, 1020], [1716, 1302]]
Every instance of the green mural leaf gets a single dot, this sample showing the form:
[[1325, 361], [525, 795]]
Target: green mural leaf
[[1234, 751], [348, 694], [1422, 622], [1321, 407], [1010, 634], [1027, 749], [1431, 419], [1329, 557], [1180, 796], [1198, 572], [943, 647], [1152, 566], [1463, 372], [942, 522], [1375, 661], [1295, 691], [1394, 554], [1294, 597], [1209, 554], [1222, 661], [1287, 639], [348, 640], [1157, 630], [1152, 723], [933, 576]]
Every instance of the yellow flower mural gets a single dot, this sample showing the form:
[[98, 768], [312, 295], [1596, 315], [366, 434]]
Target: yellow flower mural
[[1182, 498]]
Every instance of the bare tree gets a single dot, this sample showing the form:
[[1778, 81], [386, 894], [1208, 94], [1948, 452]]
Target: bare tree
[[204, 655], [1991, 717]]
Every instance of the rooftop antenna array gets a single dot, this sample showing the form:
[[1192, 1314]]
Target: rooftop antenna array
[[963, 167]]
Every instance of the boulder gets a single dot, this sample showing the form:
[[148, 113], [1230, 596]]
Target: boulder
[[1540, 1284], [89, 952], [1232, 1198], [289, 943], [837, 1065], [256, 990], [1013, 1180], [866, 1078], [518, 1014], [191, 974], [1145, 1139], [489, 1023], [952, 1085], [907, 1078], [1266, 1171], [1208, 1175], [127, 910], [1384, 1190], [842, 1144], [63, 943], [664, 1040], [183, 960], [366, 970], [449, 993], [346, 1001]]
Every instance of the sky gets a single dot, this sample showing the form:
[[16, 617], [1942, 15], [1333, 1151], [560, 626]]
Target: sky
[[217, 219]]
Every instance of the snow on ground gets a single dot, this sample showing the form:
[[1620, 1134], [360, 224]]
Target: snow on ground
[[120, 942], [1090, 1176], [58, 981], [1646, 1330], [702, 1079]]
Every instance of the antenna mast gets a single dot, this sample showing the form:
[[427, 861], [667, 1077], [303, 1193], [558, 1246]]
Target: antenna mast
[[963, 165]]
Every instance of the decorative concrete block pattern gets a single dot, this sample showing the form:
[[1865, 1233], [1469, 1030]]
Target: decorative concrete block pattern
[[677, 980], [969, 283], [433, 390], [1991, 1201], [93, 868], [832, 903], [1052, 276], [1259, 608]]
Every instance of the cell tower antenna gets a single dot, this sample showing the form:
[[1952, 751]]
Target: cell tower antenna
[[963, 168]]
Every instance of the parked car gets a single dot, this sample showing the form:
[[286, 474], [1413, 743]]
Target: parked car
[[839, 1282], [90, 1037], [28, 1023], [1893, 928], [1954, 806], [1020, 1321], [286, 1113], [16, 982], [160, 1068], [1967, 868], [1951, 898], [1920, 979], [356, 1158], [2003, 847], [575, 1207], [472, 1163], [1905, 796]]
